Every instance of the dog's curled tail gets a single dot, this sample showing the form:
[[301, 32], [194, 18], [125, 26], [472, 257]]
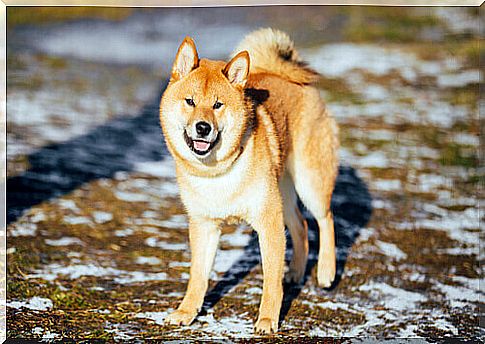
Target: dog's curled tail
[[272, 50]]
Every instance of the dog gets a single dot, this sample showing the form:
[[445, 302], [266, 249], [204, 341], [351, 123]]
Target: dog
[[248, 138]]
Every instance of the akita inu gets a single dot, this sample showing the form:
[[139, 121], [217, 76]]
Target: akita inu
[[247, 136]]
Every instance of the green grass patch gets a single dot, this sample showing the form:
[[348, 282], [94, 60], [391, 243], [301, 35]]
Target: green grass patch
[[453, 154], [389, 24]]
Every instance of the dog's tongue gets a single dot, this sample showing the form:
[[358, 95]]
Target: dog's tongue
[[201, 145]]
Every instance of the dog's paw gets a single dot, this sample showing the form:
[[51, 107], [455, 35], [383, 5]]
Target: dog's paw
[[180, 317], [326, 274], [294, 276], [266, 326]]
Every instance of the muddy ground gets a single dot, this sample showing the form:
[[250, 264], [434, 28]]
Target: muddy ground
[[96, 233]]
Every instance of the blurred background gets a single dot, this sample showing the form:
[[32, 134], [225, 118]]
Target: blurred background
[[97, 241]]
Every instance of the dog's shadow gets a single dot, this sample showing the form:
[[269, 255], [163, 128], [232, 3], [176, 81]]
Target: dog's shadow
[[351, 206]]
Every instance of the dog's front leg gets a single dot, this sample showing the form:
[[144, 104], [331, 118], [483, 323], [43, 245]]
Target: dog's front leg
[[204, 237], [271, 233]]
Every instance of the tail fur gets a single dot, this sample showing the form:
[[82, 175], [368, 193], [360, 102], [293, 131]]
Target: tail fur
[[272, 50]]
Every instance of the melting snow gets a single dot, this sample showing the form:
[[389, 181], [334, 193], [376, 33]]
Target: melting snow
[[68, 204], [154, 242], [235, 326], [102, 216], [38, 217], [53, 271], [65, 241], [238, 238], [387, 185], [148, 260], [24, 229], [178, 264], [226, 258], [375, 159], [36, 303], [162, 169], [77, 220], [393, 298], [158, 317], [335, 60], [459, 79], [175, 221], [46, 334], [131, 196], [391, 250], [124, 232], [466, 139], [140, 276], [461, 296], [254, 290]]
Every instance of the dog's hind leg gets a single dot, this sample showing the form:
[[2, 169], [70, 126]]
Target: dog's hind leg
[[313, 167], [317, 199], [297, 226]]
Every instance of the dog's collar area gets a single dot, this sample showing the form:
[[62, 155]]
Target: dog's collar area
[[193, 144]]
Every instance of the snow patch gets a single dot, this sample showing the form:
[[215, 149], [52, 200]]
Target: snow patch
[[375, 159], [158, 317], [101, 217], [77, 220], [24, 229], [387, 185], [35, 303], [38, 217], [254, 290], [148, 260], [131, 196], [226, 258], [391, 250], [154, 242], [466, 139], [179, 264], [236, 239], [393, 298], [460, 296], [459, 79], [175, 221], [53, 271], [161, 169], [65, 241], [68, 204], [124, 232], [336, 60]]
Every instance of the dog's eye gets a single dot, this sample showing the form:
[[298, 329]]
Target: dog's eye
[[190, 101], [217, 105]]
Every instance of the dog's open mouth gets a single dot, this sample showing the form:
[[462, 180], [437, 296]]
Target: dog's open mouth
[[200, 147]]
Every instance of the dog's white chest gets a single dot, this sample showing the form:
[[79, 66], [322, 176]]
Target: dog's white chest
[[230, 194]]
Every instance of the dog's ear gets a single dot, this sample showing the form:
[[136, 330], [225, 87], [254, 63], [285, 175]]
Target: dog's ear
[[186, 59], [237, 69]]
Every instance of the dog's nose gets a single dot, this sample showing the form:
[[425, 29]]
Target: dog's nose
[[203, 128]]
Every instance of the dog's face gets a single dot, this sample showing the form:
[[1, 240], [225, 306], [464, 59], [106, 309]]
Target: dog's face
[[203, 111]]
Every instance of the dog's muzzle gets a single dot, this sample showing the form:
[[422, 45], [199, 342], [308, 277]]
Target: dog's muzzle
[[200, 146]]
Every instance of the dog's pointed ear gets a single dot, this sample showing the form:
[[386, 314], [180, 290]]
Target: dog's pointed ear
[[186, 59], [237, 70]]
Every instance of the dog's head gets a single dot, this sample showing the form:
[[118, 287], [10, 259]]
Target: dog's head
[[203, 112]]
